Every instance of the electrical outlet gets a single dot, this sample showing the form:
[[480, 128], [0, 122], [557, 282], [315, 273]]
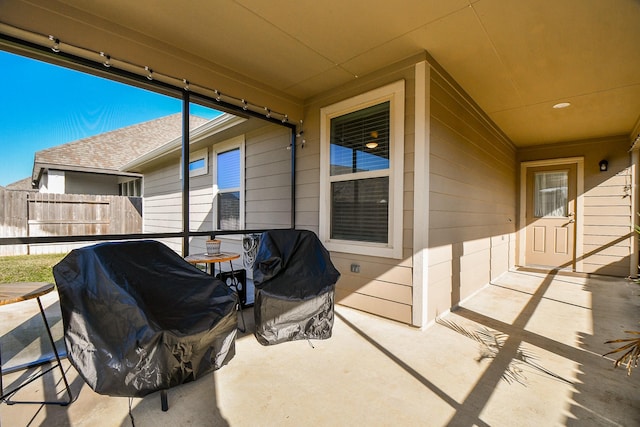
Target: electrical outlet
[[355, 268]]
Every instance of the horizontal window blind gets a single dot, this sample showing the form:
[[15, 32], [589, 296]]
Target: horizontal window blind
[[360, 210], [360, 141], [228, 180], [228, 175], [229, 211]]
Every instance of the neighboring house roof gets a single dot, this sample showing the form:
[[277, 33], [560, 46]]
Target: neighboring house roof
[[23, 184], [108, 152], [222, 122]]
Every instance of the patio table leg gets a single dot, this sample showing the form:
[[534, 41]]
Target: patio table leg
[[164, 401], [234, 284], [7, 397]]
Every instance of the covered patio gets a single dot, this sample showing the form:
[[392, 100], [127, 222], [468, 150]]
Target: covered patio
[[525, 350], [483, 95]]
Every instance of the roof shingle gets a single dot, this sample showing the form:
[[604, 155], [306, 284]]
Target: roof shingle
[[111, 150]]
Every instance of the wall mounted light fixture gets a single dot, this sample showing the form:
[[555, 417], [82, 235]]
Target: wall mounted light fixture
[[604, 165]]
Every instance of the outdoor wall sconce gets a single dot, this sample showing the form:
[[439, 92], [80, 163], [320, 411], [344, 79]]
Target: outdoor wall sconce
[[604, 165]]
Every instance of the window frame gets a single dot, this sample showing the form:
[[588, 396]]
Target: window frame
[[131, 187], [395, 94], [237, 142], [538, 201], [198, 155], [194, 156]]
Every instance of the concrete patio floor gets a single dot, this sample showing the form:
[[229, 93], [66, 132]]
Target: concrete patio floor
[[524, 351]]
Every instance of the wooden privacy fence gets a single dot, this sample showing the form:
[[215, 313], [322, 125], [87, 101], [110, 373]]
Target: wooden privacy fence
[[32, 214]]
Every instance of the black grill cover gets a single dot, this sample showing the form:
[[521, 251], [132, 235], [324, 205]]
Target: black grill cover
[[138, 318], [294, 281]]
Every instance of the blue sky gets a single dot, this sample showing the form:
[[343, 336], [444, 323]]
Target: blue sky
[[43, 105]]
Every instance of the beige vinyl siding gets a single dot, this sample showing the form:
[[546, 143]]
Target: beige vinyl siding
[[267, 190], [268, 178], [307, 188], [308, 172], [608, 217], [384, 285], [608, 225], [472, 199], [162, 203], [409, 168]]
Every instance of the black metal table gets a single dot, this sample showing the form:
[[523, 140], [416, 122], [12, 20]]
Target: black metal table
[[210, 260], [11, 293]]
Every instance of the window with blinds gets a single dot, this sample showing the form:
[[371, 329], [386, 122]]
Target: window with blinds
[[228, 197], [362, 173], [359, 171]]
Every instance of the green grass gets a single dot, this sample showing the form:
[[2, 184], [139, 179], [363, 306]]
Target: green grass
[[28, 268]]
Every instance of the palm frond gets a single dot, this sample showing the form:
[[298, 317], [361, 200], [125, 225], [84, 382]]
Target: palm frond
[[491, 343], [459, 329], [631, 351]]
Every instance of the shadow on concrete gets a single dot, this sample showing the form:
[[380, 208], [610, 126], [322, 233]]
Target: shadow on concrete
[[602, 395]]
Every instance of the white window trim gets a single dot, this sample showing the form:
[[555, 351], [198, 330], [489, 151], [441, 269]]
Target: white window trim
[[228, 145], [202, 154], [394, 93]]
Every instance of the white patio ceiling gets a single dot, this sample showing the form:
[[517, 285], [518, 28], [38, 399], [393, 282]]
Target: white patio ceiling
[[515, 58]]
